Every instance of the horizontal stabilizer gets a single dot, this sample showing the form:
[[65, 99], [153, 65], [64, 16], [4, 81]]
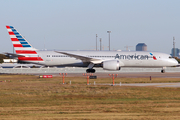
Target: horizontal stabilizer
[[12, 55]]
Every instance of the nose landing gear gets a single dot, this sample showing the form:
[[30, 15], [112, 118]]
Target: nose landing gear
[[162, 71]]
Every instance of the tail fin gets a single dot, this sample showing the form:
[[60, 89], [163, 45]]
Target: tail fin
[[22, 46]]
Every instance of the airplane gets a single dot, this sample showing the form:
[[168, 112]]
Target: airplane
[[108, 60]]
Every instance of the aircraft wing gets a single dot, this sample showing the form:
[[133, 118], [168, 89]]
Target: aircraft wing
[[83, 58]]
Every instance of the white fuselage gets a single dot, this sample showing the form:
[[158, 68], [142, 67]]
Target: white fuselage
[[109, 60], [126, 59]]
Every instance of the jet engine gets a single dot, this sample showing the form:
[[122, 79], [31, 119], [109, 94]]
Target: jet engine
[[111, 65]]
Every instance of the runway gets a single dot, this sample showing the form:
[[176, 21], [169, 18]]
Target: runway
[[100, 73], [173, 72], [83, 70]]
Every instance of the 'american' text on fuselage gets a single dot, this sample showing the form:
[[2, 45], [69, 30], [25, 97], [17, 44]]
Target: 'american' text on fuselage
[[131, 57]]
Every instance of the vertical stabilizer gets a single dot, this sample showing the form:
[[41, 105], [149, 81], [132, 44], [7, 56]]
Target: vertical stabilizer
[[22, 46]]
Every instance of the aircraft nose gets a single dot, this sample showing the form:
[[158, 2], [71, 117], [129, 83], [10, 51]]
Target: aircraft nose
[[174, 62]]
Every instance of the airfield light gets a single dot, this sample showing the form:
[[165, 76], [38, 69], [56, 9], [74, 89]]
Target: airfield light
[[113, 76], [87, 74], [63, 76]]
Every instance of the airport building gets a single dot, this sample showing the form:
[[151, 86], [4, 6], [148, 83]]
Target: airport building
[[175, 52], [141, 47]]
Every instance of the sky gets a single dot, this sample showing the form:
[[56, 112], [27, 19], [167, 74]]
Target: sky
[[73, 24]]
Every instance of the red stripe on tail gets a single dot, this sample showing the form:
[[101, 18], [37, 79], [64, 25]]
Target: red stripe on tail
[[17, 45], [11, 33], [8, 27], [25, 52], [14, 39]]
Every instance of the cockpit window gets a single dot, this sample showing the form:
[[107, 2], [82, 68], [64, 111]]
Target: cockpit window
[[170, 56]]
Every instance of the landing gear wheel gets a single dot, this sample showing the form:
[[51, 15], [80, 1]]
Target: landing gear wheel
[[90, 70], [162, 71]]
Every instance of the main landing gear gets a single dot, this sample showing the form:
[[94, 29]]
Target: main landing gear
[[90, 70]]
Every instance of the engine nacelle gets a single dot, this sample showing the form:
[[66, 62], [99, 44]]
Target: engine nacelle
[[111, 65]]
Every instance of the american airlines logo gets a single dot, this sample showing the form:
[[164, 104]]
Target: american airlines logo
[[152, 56], [136, 57]]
